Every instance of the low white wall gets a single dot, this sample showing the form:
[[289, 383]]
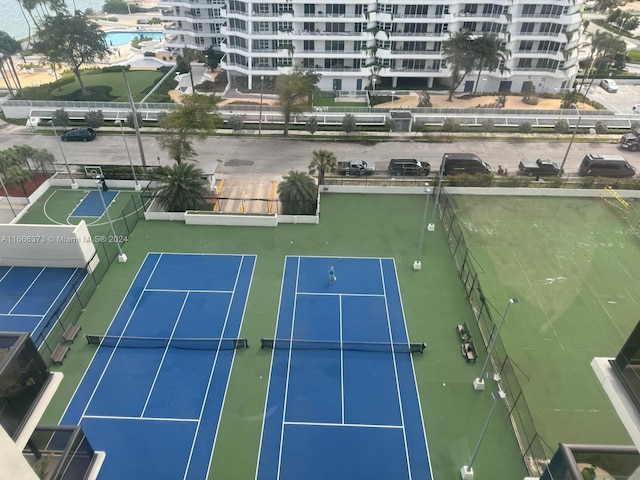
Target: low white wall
[[200, 218], [305, 219], [170, 216], [90, 183], [372, 189], [539, 192]]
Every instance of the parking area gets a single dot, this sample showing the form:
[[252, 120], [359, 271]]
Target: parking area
[[621, 102]]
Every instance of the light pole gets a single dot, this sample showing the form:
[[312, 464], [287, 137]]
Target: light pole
[[6, 195], [432, 226], [261, 92], [466, 472], [478, 383], [417, 265], [138, 187], [393, 94], [121, 256], [74, 185], [573, 136]]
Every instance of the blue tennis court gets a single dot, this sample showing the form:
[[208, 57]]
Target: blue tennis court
[[152, 407], [342, 400], [30, 297], [91, 204]]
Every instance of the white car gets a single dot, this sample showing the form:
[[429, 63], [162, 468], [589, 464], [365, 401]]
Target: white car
[[636, 109], [609, 85]]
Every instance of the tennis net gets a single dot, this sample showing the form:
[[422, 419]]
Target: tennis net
[[163, 342], [299, 344]]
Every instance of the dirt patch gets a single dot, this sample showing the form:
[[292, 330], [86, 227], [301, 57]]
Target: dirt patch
[[513, 103], [245, 101]]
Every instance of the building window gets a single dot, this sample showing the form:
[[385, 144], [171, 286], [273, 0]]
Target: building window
[[527, 27], [309, 45], [334, 46], [525, 62], [470, 9], [335, 9], [285, 8], [309, 26], [415, 27], [471, 26], [285, 26], [416, 9], [309, 9], [335, 27], [526, 46], [237, 24], [261, 8], [237, 6], [528, 9]]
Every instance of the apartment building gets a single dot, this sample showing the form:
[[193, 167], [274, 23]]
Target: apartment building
[[388, 44]]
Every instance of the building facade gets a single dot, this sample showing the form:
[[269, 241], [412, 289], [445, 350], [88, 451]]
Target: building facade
[[389, 44]]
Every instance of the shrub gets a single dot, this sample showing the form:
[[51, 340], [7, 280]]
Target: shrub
[[634, 56], [601, 128], [424, 99], [236, 123], [530, 100], [311, 125], [149, 54], [488, 126], [94, 118], [417, 127], [349, 124], [60, 118], [561, 126], [451, 125], [525, 127]]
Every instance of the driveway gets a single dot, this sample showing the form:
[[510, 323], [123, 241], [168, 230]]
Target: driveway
[[621, 102]]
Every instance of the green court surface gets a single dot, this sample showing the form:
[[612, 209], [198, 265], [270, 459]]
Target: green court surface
[[573, 264], [434, 303]]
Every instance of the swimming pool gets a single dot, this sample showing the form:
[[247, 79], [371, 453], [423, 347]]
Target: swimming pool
[[120, 38]]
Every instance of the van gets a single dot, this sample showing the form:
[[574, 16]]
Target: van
[[612, 166], [457, 163], [408, 166]]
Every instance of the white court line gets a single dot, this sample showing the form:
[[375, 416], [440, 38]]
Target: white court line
[[329, 294], [181, 290], [351, 425], [415, 380], [395, 370], [224, 397], [155, 419], [27, 290], [286, 388], [19, 315], [6, 273], [164, 355], [213, 368], [341, 361], [110, 324], [106, 367], [341, 258], [264, 413]]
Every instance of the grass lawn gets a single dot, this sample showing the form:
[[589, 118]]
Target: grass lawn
[[105, 86], [330, 102]]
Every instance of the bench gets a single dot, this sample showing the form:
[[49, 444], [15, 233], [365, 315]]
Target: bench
[[59, 353], [468, 350], [463, 331], [71, 332]]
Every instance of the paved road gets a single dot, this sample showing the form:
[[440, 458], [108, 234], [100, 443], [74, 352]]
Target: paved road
[[270, 158]]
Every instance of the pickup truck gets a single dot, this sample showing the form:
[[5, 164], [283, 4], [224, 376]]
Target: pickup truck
[[355, 167], [539, 168]]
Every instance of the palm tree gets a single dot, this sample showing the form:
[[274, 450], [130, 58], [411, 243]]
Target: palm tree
[[17, 175], [323, 162], [298, 193], [26, 21], [5, 77], [459, 56], [9, 46], [490, 54], [183, 187]]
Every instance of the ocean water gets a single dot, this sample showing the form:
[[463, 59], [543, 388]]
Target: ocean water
[[13, 22]]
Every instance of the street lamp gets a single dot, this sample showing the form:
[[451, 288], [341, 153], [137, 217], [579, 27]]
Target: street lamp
[[261, 92], [432, 226], [417, 265], [138, 187], [573, 136], [121, 256], [478, 383], [393, 94], [466, 472], [74, 185]]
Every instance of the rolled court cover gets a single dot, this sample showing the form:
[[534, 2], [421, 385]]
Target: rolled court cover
[[299, 344], [164, 342]]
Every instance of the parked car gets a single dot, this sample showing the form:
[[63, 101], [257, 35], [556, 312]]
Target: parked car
[[610, 166], [609, 85], [408, 166], [79, 135], [539, 168]]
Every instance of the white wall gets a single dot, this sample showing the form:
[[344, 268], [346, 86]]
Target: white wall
[[14, 465]]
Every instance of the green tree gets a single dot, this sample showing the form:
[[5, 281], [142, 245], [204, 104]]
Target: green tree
[[236, 122], [570, 97], [601, 128], [9, 46], [323, 162], [129, 120], [459, 57], [488, 126], [298, 193], [604, 5], [451, 125], [490, 54], [32, 158], [60, 118], [17, 175], [349, 124], [295, 92], [119, 7], [182, 187], [94, 118], [424, 99], [561, 126], [311, 125], [525, 127], [194, 119], [73, 40]]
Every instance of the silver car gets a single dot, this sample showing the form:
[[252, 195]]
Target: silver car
[[609, 85]]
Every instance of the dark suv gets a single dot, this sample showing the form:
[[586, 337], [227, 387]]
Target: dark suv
[[408, 166], [79, 135]]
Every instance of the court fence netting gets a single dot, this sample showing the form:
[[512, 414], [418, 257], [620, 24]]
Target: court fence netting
[[536, 453], [75, 299], [301, 344], [184, 343]]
